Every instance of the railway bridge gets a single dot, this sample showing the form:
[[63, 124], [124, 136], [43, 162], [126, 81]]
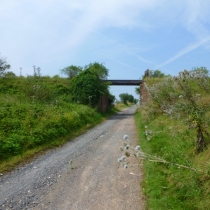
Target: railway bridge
[[103, 104], [125, 82]]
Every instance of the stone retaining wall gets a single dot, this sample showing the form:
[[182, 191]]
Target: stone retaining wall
[[144, 94]]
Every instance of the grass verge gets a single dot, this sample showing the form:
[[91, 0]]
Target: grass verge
[[167, 186]]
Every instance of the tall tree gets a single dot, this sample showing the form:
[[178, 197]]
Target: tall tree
[[3, 66], [71, 71], [125, 97], [201, 71], [99, 69], [137, 90], [87, 88], [9, 74], [156, 73]]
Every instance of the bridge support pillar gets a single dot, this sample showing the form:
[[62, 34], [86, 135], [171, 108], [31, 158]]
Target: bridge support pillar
[[144, 93], [103, 103]]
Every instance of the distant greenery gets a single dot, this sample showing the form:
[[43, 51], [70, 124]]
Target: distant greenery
[[125, 98], [3, 66], [170, 126], [154, 74], [9, 74], [137, 90]]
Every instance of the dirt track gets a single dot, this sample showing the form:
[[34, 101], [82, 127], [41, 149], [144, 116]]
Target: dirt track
[[94, 180]]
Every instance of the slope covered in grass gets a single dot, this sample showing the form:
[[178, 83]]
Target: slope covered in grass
[[36, 113], [168, 129]]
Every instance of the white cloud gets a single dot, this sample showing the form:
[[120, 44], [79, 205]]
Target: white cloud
[[49, 29]]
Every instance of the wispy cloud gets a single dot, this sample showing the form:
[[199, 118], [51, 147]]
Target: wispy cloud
[[193, 19], [100, 15], [184, 51], [46, 30]]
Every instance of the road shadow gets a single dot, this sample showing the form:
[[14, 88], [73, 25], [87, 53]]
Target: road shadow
[[120, 116]]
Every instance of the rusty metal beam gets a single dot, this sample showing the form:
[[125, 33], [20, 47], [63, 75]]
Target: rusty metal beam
[[125, 82]]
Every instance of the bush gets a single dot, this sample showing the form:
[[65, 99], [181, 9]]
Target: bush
[[180, 97], [87, 88], [28, 122]]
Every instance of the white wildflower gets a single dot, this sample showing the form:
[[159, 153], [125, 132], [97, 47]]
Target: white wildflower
[[125, 166], [123, 157], [127, 147], [139, 154], [137, 148]]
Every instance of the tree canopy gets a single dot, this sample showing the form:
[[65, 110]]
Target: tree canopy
[[71, 71], [156, 73], [137, 90], [87, 88], [3, 66], [125, 97], [201, 71], [9, 74], [99, 69]]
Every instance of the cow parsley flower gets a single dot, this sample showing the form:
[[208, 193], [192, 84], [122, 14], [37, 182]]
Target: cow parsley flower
[[148, 132], [123, 157], [138, 154], [125, 166], [127, 147], [137, 148]]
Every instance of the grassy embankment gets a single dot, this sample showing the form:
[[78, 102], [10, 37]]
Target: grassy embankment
[[36, 115], [167, 186]]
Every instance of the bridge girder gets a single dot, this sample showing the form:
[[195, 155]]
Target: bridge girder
[[125, 82]]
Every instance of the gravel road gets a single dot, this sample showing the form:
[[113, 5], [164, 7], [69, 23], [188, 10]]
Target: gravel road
[[83, 174]]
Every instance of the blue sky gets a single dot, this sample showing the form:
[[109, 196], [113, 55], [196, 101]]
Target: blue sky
[[127, 36]]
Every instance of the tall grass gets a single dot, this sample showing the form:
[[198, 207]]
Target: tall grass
[[36, 114], [168, 186]]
